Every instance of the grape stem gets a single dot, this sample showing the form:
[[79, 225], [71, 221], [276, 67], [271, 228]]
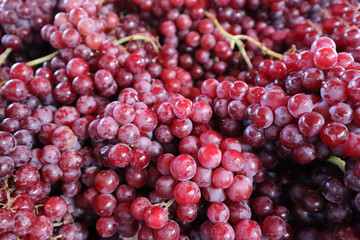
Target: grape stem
[[261, 46], [56, 237], [165, 205], [8, 196], [134, 37], [313, 25], [338, 162], [4, 55], [137, 37], [291, 50], [58, 224], [350, 5], [236, 39], [2, 83], [42, 59], [327, 13], [37, 208]]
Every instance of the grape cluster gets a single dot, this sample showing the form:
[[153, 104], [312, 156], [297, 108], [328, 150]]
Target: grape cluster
[[19, 18], [180, 119]]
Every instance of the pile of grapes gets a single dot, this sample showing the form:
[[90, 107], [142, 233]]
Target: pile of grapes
[[179, 119]]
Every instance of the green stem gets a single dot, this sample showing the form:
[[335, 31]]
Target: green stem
[[138, 37], [165, 205], [56, 237], [261, 46], [169, 203], [234, 39], [4, 55], [2, 83], [42, 59], [58, 224], [290, 50], [338, 162], [135, 37]]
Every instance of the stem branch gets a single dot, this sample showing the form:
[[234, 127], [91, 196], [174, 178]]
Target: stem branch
[[338, 162], [8, 194], [56, 237], [233, 39], [42, 59], [137, 37], [291, 50], [2, 83], [4, 55], [58, 224], [261, 46], [165, 205], [237, 40]]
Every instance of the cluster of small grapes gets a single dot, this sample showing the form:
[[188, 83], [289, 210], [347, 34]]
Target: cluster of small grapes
[[339, 21], [18, 18], [314, 95], [205, 53], [314, 199], [21, 22], [83, 22], [27, 210]]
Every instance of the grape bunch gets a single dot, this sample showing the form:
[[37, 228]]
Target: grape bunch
[[19, 18], [179, 119]]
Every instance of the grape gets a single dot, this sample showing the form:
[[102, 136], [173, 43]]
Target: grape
[[120, 155], [333, 91], [139, 207], [165, 186], [7, 167], [170, 230], [8, 142], [7, 220], [187, 193], [247, 229], [310, 124], [291, 137], [334, 134], [222, 231], [240, 189], [183, 167], [187, 213], [218, 212], [273, 227], [209, 156], [222, 178], [262, 206], [26, 176], [55, 207], [24, 221], [155, 217], [322, 42], [106, 226], [122, 212], [299, 104], [104, 204], [70, 230], [42, 228], [106, 181]]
